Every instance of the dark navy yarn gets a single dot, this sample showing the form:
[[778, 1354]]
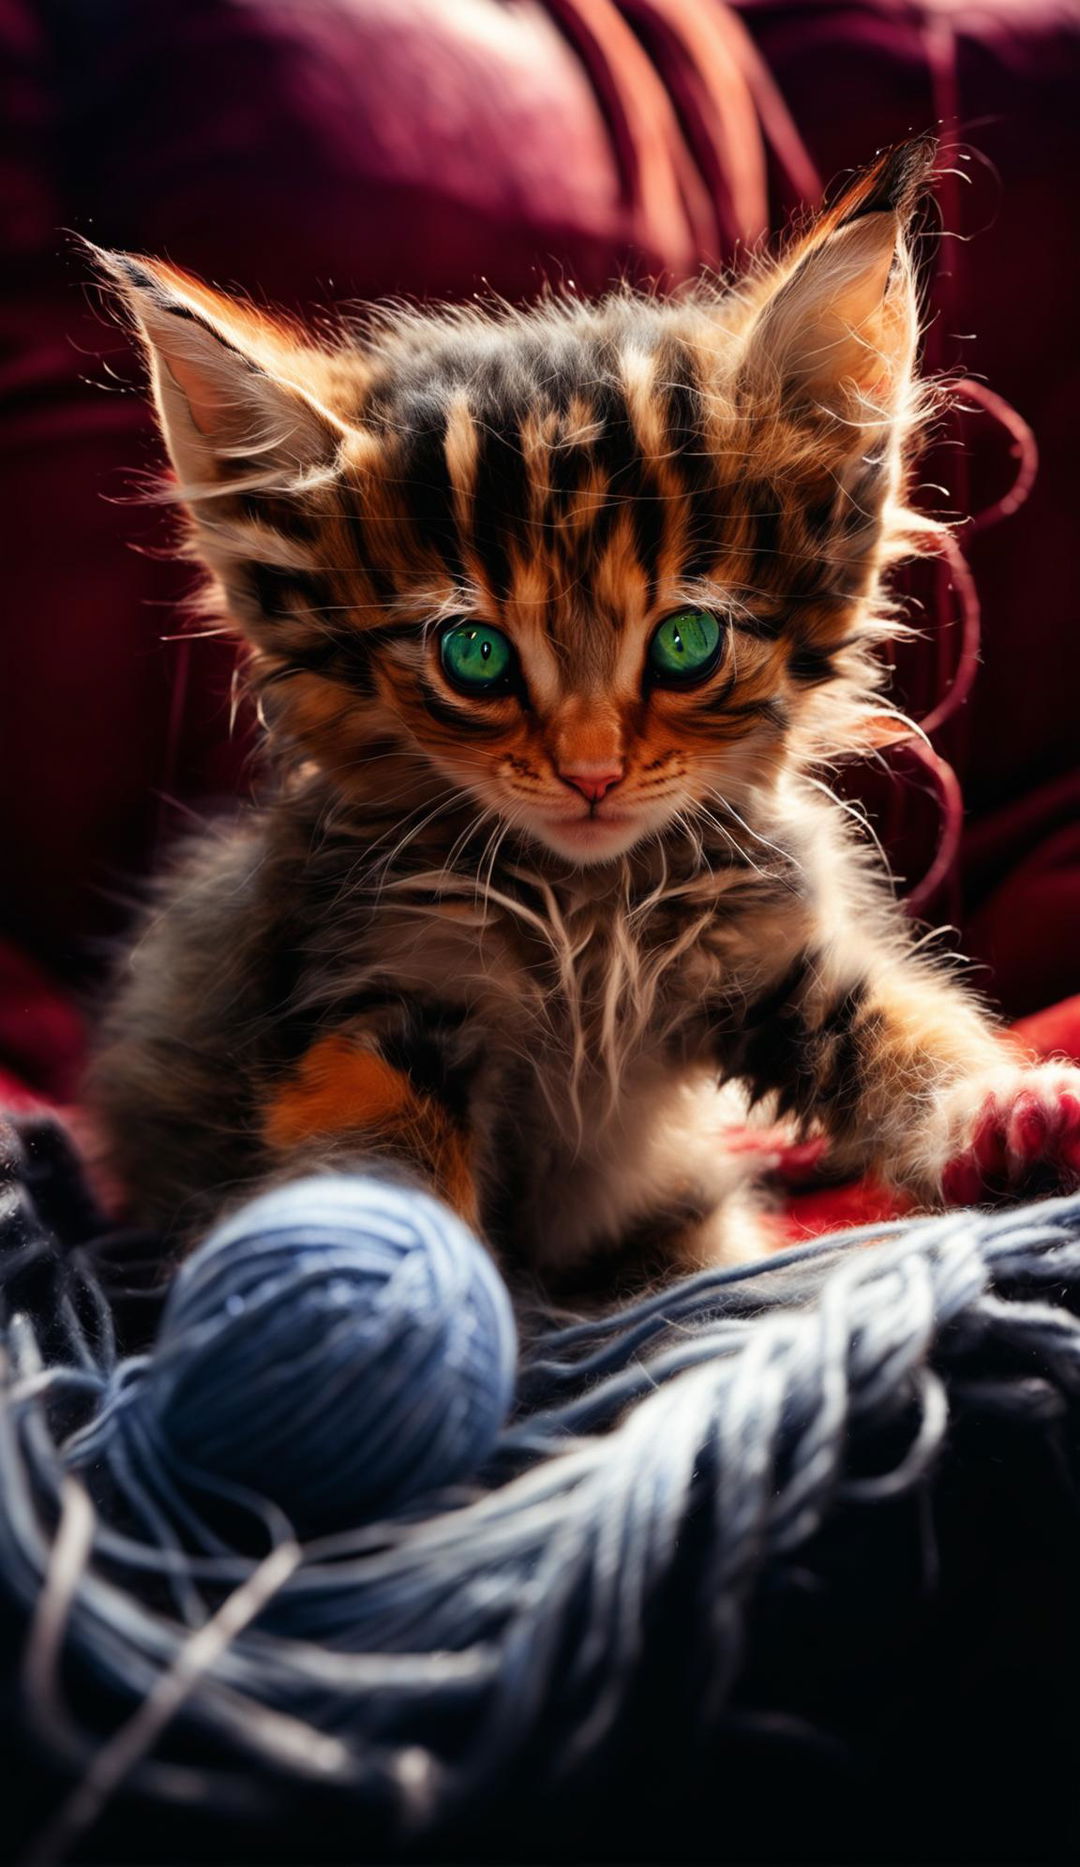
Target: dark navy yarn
[[667, 1474], [340, 1347]]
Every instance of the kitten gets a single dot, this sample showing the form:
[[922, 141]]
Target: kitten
[[551, 616]]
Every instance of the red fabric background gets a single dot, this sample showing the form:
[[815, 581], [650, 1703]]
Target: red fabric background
[[351, 148]]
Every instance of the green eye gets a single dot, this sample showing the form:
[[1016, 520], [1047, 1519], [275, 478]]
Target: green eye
[[475, 656], [684, 645]]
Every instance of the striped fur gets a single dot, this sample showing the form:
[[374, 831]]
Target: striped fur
[[429, 947]]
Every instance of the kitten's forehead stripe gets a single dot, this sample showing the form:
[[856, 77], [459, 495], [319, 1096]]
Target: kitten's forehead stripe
[[462, 446], [501, 505], [638, 368], [629, 478], [707, 522], [680, 384], [363, 555], [427, 485], [766, 533]]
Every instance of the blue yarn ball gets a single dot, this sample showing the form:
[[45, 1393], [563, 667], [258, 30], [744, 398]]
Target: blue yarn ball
[[340, 1346]]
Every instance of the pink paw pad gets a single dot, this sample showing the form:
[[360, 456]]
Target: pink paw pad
[[1024, 1139]]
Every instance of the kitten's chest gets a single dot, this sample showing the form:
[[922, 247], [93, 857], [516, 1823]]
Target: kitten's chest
[[583, 1043], [579, 1012]]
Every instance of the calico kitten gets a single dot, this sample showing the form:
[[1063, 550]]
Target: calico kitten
[[552, 616]]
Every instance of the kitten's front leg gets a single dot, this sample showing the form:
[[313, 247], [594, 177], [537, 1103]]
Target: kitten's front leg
[[383, 1091], [910, 1080], [971, 1124]]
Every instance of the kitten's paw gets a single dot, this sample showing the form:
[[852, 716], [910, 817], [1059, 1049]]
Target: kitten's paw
[[1012, 1133]]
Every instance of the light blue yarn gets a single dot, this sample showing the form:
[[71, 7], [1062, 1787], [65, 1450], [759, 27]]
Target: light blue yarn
[[339, 1347], [661, 1466]]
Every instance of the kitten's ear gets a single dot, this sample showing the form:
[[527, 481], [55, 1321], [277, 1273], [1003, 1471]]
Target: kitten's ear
[[839, 328], [224, 382]]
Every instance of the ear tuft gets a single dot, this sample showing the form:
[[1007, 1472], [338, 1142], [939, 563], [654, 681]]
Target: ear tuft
[[836, 327], [893, 184], [224, 378]]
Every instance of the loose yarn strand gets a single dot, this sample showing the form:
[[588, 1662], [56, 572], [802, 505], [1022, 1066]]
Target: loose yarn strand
[[656, 1472]]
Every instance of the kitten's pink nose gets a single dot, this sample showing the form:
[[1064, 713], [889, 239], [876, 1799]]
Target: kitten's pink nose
[[594, 782]]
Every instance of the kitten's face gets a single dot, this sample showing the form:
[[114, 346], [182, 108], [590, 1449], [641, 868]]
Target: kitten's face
[[592, 569], [580, 643]]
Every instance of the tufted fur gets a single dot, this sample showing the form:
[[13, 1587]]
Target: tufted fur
[[426, 945]]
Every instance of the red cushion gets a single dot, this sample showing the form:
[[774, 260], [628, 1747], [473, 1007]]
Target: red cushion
[[42, 1036], [355, 147]]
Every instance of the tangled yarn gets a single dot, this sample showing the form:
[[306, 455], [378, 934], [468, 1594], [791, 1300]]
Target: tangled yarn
[[658, 1465], [338, 1347]]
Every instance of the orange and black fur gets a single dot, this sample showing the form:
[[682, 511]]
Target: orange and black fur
[[555, 618]]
